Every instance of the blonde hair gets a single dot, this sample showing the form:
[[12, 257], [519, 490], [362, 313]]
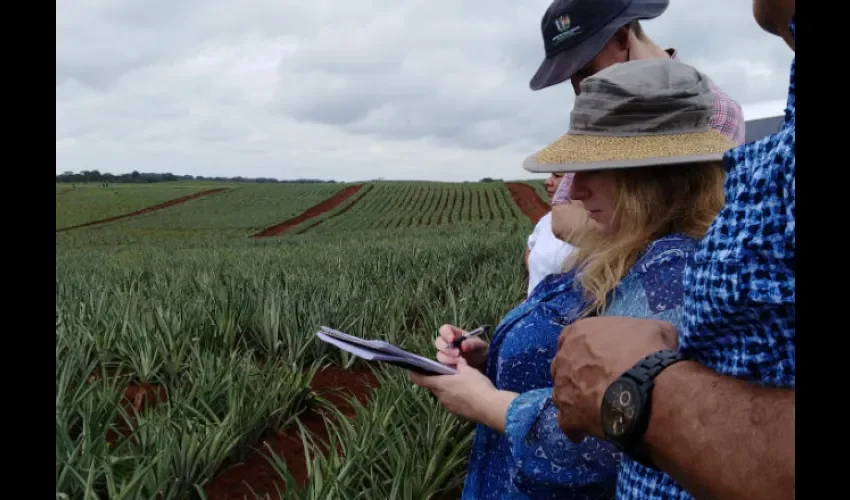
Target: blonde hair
[[649, 203]]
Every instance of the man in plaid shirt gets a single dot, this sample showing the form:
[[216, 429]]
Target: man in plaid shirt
[[582, 37], [718, 397]]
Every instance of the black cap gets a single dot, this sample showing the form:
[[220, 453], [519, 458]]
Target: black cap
[[575, 31]]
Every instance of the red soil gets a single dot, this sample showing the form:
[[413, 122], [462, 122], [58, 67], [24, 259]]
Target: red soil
[[145, 396], [169, 203], [138, 397], [335, 385], [528, 201], [346, 209], [454, 494], [314, 211]]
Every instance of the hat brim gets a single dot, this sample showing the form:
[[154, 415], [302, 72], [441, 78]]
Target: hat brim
[[584, 152], [563, 65]]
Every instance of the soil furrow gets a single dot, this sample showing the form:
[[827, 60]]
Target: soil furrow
[[528, 201], [346, 209], [169, 203], [336, 386], [315, 211]]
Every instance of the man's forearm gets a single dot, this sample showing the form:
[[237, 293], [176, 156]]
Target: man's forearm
[[721, 437]]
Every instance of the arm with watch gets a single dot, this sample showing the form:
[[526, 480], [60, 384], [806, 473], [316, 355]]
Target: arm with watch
[[710, 433], [542, 452]]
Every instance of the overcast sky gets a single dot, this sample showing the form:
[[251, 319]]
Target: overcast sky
[[345, 90]]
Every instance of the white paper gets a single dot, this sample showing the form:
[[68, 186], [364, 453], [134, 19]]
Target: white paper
[[378, 350]]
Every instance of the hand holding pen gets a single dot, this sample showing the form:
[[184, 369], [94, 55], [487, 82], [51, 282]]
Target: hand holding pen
[[452, 342]]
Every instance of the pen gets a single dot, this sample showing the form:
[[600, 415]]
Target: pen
[[474, 333]]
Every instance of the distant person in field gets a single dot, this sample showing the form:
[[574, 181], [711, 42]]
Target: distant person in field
[[577, 45], [545, 254], [647, 217]]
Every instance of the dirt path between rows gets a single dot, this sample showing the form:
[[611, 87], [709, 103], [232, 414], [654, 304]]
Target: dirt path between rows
[[336, 386], [346, 209], [528, 200], [169, 203], [316, 210]]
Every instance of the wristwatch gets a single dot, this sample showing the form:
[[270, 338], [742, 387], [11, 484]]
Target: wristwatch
[[626, 403]]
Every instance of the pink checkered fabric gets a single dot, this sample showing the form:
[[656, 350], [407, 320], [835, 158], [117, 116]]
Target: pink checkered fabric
[[727, 117], [561, 195]]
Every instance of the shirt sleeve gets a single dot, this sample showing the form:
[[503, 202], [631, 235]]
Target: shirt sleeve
[[534, 236], [562, 194], [541, 453]]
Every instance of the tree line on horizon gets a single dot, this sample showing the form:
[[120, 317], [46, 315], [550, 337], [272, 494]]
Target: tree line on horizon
[[136, 177]]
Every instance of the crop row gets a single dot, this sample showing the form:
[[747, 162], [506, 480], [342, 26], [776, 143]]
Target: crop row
[[224, 337], [246, 209], [85, 203], [426, 205]]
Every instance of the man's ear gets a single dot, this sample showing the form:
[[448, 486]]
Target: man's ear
[[621, 38]]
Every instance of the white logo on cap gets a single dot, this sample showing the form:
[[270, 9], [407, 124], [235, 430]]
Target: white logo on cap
[[562, 23]]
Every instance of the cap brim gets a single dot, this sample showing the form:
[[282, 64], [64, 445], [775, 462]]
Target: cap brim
[[563, 65], [585, 153]]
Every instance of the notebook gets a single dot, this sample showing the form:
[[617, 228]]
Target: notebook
[[378, 350]]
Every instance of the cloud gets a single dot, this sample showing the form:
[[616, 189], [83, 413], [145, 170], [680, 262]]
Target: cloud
[[345, 90]]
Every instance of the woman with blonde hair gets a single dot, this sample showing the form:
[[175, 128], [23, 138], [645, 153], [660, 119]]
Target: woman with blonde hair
[[647, 170]]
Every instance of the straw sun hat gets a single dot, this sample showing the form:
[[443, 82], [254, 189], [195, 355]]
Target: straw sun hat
[[636, 114]]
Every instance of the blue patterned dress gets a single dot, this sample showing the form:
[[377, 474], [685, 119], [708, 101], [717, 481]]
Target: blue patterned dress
[[533, 458]]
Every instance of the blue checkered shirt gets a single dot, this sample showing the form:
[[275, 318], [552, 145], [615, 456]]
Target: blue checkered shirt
[[739, 308]]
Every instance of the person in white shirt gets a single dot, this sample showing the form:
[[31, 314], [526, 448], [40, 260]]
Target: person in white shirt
[[545, 253]]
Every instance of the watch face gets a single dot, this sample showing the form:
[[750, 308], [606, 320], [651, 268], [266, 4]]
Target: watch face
[[620, 406]]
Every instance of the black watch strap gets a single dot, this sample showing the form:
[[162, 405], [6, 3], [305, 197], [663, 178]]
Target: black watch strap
[[644, 373], [645, 370]]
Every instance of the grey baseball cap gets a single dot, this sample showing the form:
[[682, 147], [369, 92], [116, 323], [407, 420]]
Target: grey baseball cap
[[574, 31], [639, 113]]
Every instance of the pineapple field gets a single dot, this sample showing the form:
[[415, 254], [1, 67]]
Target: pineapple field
[[186, 361]]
